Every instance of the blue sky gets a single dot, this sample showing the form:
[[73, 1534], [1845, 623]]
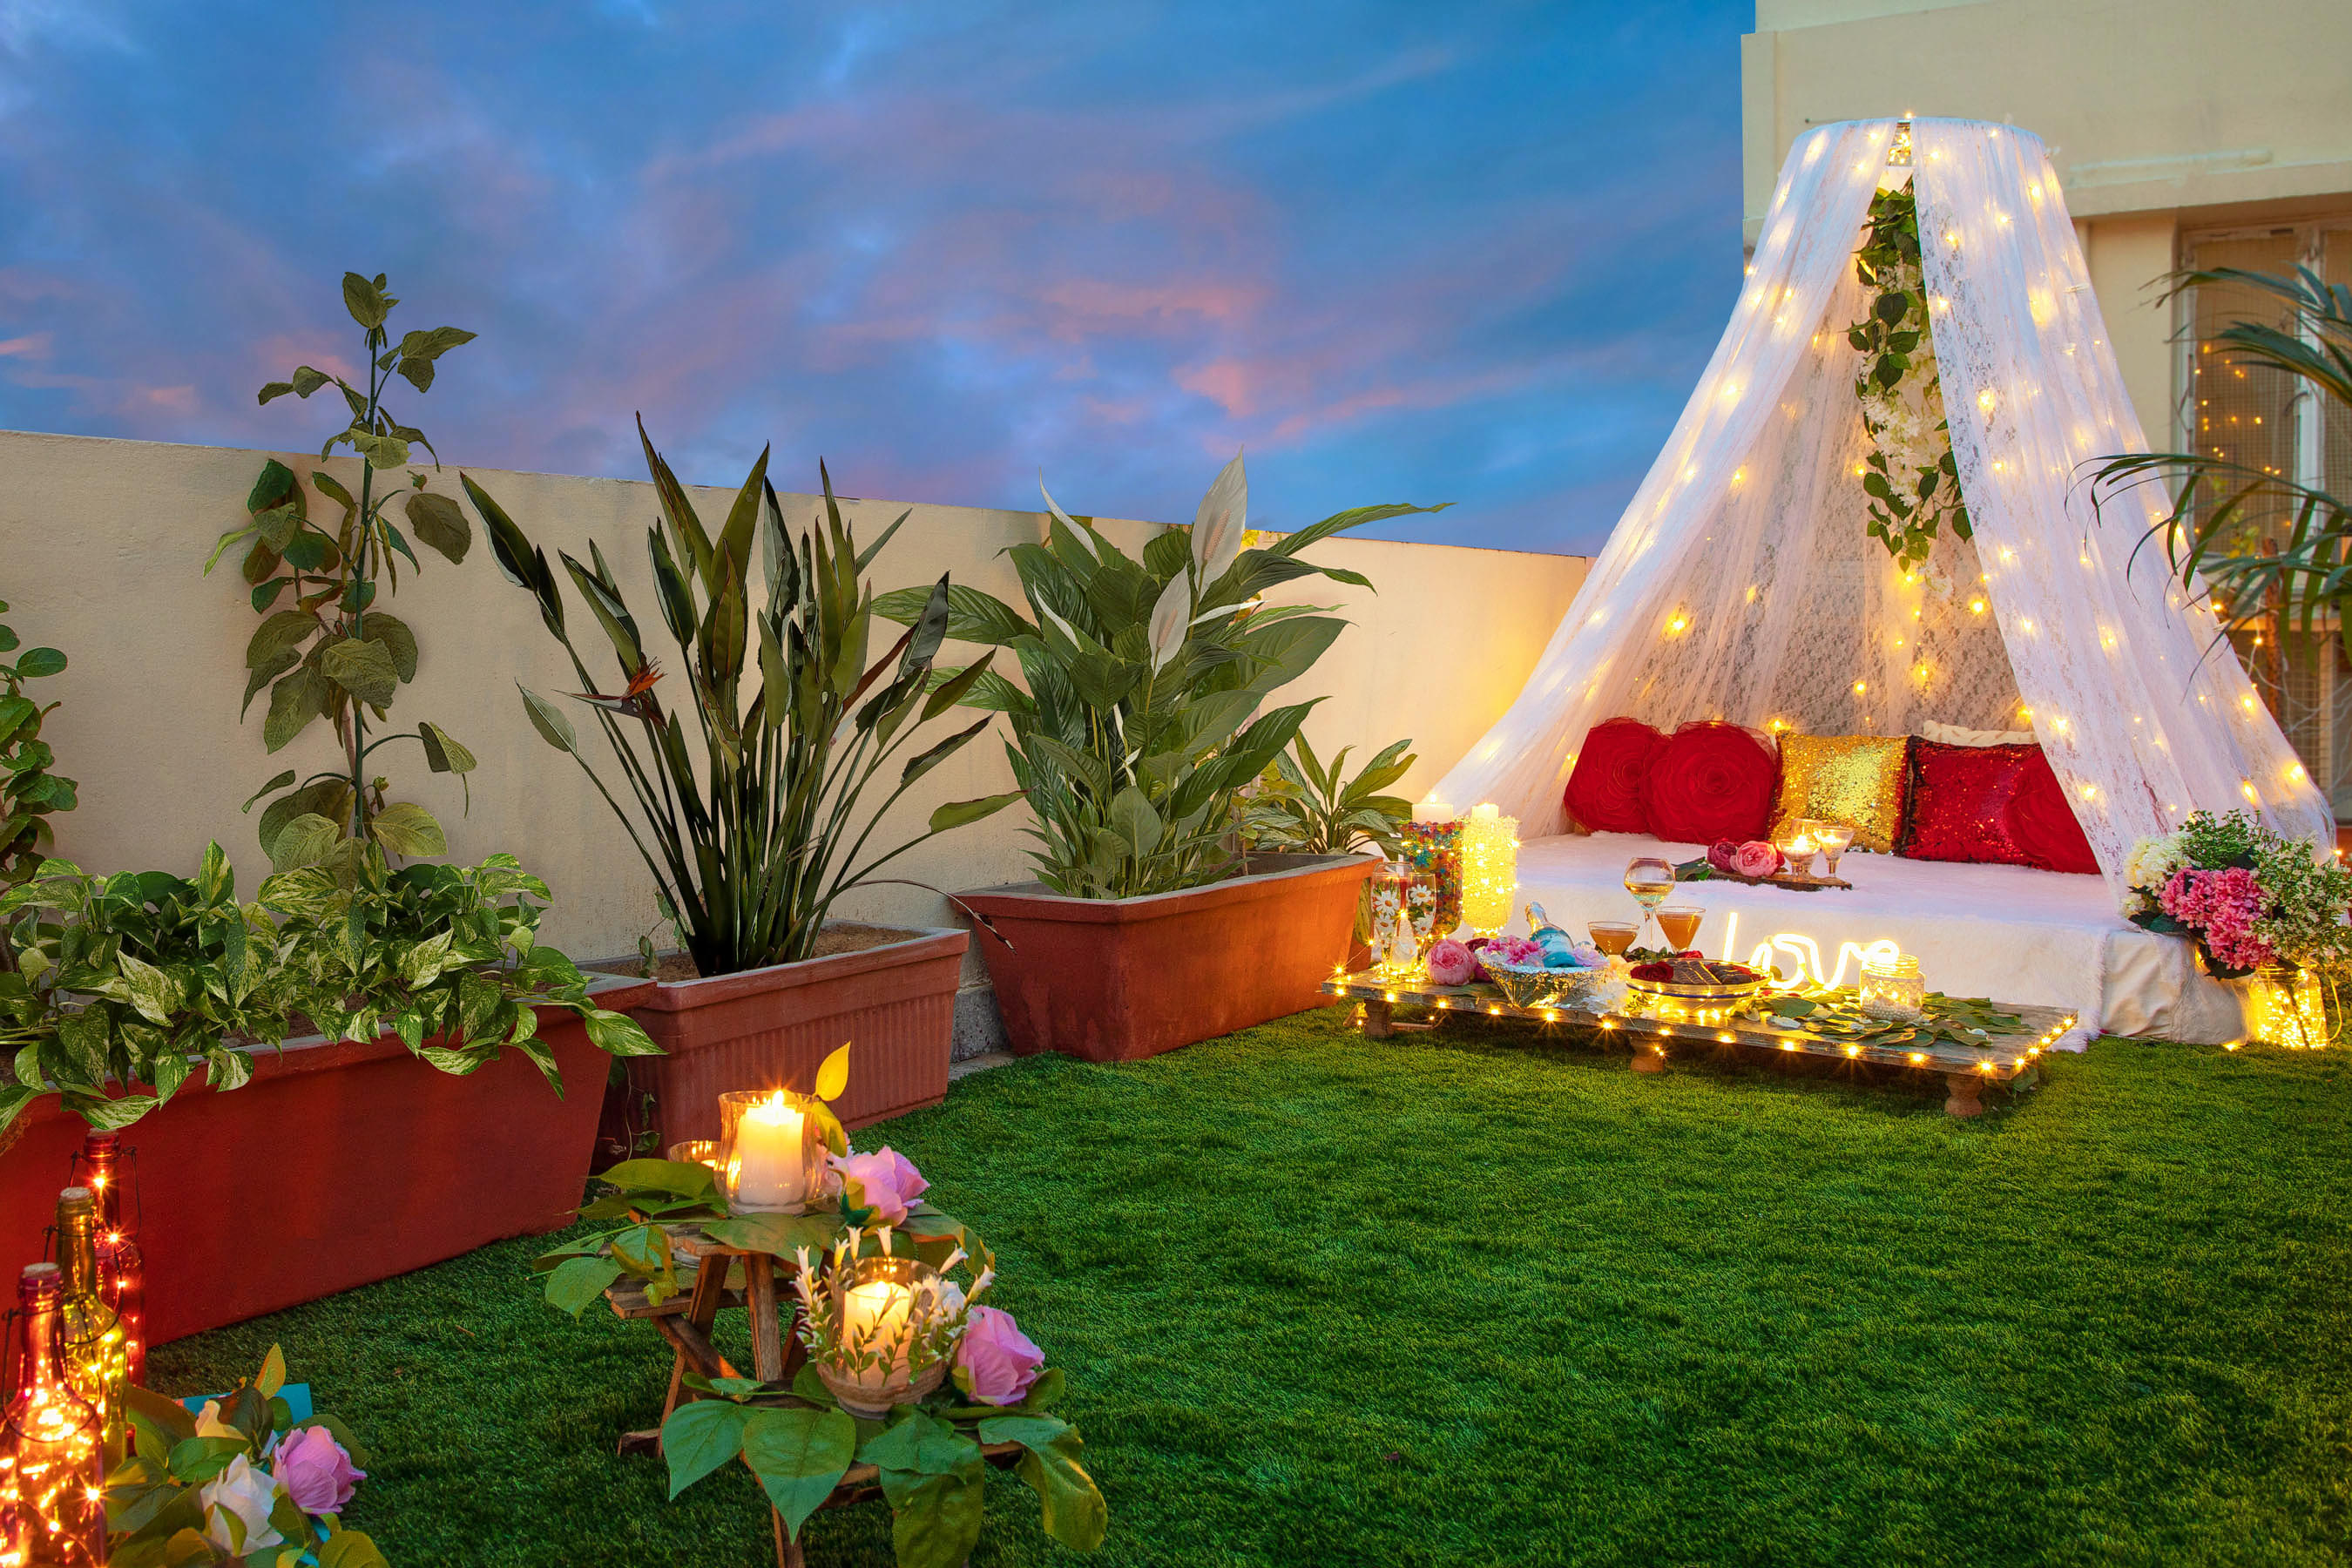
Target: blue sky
[[1466, 252]]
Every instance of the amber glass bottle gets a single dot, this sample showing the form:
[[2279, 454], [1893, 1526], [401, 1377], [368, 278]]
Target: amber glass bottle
[[121, 1270], [92, 1333], [52, 1458]]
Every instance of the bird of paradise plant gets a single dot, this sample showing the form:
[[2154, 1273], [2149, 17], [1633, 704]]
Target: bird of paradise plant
[[752, 846]]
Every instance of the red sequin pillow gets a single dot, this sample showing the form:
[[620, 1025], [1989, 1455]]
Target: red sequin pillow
[[1710, 781], [1605, 792], [1998, 805]]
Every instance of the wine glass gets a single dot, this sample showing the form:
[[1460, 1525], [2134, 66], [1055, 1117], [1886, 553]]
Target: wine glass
[[1680, 923], [1833, 839], [1649, 879]]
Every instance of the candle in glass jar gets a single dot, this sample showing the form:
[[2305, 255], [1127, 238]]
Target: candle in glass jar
[[874, 1317], [771, 1171]]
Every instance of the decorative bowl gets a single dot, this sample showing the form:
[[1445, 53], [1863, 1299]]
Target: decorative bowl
[[1522, 987]]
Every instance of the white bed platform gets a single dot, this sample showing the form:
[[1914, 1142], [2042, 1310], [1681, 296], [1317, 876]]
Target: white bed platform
[[2008, 932]]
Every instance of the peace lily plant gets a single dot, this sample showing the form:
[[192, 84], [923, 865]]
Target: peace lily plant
[[1141, 721]]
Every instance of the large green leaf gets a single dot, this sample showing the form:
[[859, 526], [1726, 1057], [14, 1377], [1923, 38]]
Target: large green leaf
[[363, 668], [800, 1455], [700, 1437], [578, 1283], [305, 840], [936, 1518], [549, 720], [1074, 1513], [405, 827], [959, 813], [973, 615], [294, 701]]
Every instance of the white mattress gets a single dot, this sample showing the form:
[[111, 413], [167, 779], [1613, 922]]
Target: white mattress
[[2010, 932]]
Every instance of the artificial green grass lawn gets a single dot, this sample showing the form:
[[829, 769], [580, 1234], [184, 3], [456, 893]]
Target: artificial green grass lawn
[[1476, 1298]]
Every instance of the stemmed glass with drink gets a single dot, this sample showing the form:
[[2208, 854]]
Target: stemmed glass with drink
[[1680, 923], [1650, 880]]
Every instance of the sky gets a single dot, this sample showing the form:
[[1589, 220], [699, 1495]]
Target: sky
[[1468, 252]]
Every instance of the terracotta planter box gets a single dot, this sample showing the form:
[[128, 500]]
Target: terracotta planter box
[[1112, 980], [771, 1028], [335, 1166]]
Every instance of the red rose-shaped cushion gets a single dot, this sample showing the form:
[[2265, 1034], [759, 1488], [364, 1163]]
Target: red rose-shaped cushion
[[1710, 781], [1999, 806], [1604, 792]]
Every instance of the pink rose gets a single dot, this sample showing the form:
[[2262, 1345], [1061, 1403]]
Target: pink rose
[[883, 1180], [1755, 858], [996, 1363], [1719, 854], [1450, 963], [315, 1470]]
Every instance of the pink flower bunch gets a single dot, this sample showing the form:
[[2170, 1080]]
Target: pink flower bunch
[[1512, 953], [2222, 907], [996, 1363], [1450, 963], [885, 1180]]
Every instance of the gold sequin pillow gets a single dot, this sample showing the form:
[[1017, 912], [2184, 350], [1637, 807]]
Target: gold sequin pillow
[[1857, 780]]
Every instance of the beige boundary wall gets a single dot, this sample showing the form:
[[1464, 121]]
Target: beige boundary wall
[[102, 543]]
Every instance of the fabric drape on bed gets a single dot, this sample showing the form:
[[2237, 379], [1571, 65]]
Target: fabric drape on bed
[[1739, 584]]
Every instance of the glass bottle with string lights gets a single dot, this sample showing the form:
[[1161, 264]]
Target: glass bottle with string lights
[[94, 1356], [52, 1442], [122, 1268]]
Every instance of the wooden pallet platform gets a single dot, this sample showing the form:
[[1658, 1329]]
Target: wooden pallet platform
[[1655, 1026]]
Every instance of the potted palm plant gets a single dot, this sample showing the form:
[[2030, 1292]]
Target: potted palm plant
[[1149, 925], [751, 844]]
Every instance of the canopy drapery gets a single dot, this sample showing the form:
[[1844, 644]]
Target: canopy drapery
[[1740, 584]]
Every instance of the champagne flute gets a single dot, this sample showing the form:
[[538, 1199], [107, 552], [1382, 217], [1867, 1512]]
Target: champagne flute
[[1649, 879]]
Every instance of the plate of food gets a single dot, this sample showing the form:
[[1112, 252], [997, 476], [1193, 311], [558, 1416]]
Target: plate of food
[[1690, 978]]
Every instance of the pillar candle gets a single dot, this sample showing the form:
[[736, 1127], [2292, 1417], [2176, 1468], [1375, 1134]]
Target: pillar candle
[[770, 1167]]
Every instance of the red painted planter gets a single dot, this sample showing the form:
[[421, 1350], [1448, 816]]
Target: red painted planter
[[771, 1028], [1112, 980], [335, 1166]]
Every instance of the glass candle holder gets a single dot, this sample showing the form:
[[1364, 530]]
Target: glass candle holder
[[696, 1151], [1490, 870], [1432, 851], [1890, 987], [1834, 838], [771, 1150], [878, 1334], [1800, 847]]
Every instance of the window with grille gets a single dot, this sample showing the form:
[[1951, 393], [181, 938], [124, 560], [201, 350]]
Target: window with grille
[[2267, 420]]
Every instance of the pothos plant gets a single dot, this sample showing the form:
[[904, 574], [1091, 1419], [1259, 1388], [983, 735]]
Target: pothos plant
[[324, 648], [126, 985], [1913, 487], [29, 792]]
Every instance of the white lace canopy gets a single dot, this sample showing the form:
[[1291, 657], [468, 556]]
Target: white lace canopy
[[1740, 584]]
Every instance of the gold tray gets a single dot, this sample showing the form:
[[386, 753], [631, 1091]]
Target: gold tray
[[1694, 992]]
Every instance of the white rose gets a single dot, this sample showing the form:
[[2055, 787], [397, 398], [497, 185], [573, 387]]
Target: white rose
[[236, 1509]]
